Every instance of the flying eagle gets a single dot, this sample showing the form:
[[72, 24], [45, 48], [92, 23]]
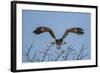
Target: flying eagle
[[58, 42]]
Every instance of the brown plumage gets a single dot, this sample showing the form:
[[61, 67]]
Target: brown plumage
[[59, 42], [40, 30]]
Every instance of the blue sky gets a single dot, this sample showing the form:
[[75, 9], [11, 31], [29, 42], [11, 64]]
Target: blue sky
[[59, 22]]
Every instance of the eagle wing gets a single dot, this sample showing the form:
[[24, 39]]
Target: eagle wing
[[76, 30], [40, 30]]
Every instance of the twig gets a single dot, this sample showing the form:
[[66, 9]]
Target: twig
[[34, 56], [29, 49], [73, 49], [80, 53], [83, 56], [27, 54], [29, 58], [46, 53], [66, 56], [59, 56]]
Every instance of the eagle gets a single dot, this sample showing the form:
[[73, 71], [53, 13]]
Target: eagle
[[58, 42]]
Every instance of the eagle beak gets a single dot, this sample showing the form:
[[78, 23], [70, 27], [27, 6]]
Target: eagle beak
[[58, 46]]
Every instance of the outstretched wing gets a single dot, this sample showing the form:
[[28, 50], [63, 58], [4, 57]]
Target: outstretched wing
[[76, 30], [40, 30]]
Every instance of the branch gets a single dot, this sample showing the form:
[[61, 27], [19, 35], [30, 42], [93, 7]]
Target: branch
[[83, 56], [59, 56], [27, 54], [45, 53], [66, 56], [78, 57], [34, 56]]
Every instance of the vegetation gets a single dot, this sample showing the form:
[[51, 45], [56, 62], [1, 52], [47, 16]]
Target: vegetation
[[49, 54]]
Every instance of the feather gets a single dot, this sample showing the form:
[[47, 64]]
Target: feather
[[59, 42], [40, 30], [76, 30]]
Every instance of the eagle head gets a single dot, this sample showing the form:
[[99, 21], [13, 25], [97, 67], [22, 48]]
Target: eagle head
[[59, 43]]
